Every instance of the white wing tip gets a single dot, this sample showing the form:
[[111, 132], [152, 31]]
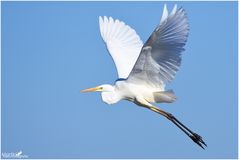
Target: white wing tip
[[174, 9], [165, 12], [105, 18]]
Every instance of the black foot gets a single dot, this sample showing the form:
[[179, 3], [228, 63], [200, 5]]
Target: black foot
[[198, 139]]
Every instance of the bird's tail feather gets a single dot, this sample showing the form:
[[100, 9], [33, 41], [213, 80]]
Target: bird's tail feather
[[164, 96]]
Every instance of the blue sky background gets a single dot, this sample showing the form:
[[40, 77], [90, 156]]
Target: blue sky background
[[52, 50]]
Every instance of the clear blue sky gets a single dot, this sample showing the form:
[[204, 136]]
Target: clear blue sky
[[52, 50]]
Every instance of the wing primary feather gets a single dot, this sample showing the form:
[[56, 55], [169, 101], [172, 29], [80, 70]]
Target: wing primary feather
[[117, 27], [101, 23], [105, 27], [165, 13], [174, 9], [110, 28]]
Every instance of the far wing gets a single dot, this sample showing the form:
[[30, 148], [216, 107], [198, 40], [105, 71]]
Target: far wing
[[122, 42], [160, 56]]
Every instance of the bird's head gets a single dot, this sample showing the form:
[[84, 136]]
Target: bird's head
[[108, 94]]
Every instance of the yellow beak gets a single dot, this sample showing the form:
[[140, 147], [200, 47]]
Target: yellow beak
[[92, 89]]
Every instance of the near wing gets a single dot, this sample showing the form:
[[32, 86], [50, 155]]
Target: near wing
[[160, 56], [122, 42]]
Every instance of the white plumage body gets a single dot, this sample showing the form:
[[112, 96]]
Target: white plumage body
[[133, 92]]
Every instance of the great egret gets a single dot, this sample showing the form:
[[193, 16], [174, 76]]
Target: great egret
[[144, 69]]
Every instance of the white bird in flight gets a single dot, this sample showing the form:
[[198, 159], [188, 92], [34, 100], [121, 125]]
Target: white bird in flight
[[144, 69]]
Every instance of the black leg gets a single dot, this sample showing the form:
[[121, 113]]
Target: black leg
[[195, 137]]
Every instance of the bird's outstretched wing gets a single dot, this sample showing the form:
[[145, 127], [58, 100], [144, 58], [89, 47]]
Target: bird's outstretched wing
[[160, 56], [122, 42]]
